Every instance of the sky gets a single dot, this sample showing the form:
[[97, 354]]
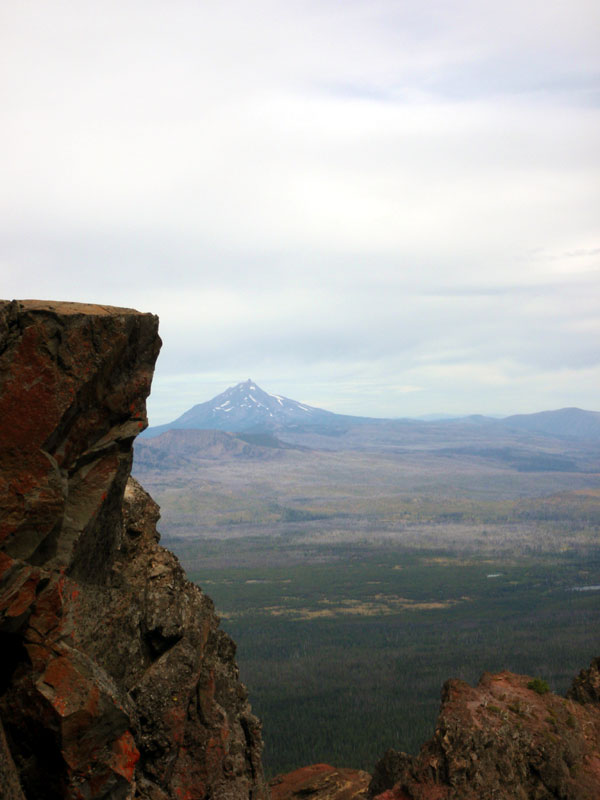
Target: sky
[[376, 207]]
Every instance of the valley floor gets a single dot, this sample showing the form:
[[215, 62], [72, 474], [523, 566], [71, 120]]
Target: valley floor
[[355, 584]]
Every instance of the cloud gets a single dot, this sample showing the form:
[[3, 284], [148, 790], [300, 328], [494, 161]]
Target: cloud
[[359, 193]]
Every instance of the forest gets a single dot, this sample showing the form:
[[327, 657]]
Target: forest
[[346, 657], [356, 583]]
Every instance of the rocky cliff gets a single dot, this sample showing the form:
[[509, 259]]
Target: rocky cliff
[[506, 739], [115, 680]]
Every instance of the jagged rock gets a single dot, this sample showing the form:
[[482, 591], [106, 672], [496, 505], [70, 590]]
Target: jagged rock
[[115, 681], [320, 782], [389, 770], [586, 686], [502, 740]]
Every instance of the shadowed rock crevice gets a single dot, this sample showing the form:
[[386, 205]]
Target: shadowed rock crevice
[[108, 650], [96, 537], [586, 686], [14, 654]]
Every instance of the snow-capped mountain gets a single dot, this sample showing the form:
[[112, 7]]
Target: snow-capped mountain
[[247, 407]]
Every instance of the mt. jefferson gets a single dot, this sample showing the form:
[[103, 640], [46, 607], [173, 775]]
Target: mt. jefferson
[[248, 408]]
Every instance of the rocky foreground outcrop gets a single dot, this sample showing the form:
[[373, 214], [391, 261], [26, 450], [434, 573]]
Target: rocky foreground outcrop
[[115, 680], [321, 782], [505, 739]]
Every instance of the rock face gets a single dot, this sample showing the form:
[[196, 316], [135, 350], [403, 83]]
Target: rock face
[[503, 740], [115, 681]]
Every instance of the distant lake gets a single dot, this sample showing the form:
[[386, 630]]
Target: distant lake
[[585, 589]]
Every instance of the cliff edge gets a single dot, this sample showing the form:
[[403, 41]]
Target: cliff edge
[[115, 680]]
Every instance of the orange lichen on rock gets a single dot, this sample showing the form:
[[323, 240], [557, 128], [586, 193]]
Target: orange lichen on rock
[[125, 756]]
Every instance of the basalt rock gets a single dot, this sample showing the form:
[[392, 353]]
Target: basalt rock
[[389, 770], [115, 680], [586, 686], [506, 739]]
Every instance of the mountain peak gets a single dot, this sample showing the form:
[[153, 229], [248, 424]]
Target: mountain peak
[[248, 385], [246, 407]]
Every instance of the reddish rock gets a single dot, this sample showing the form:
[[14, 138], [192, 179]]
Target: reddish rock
[[501, 740], [115, 680], [320, 782]]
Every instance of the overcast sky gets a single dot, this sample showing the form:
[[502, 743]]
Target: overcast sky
[[377, 207]]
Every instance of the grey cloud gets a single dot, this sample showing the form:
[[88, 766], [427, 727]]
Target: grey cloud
[[348, 196]]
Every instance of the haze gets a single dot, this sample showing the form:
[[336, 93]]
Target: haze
[[378, 208]]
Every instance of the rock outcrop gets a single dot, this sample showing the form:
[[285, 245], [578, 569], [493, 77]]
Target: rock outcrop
[[321, 782], [506, 739], [115, 680], [586, 686]]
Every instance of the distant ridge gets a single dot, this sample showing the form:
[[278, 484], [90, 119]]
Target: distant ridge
[[566, 422], [246, 408], [178, 448]]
